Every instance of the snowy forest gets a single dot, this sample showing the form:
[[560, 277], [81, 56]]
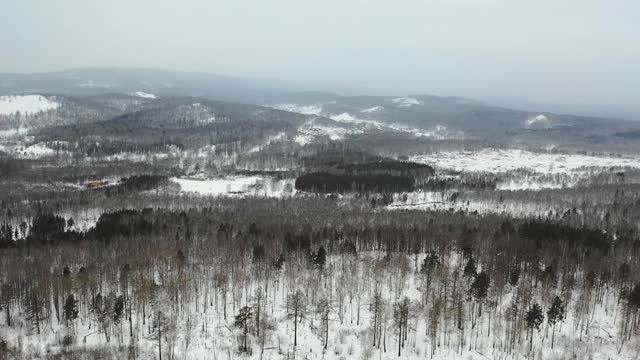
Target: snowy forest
[[141, 224]]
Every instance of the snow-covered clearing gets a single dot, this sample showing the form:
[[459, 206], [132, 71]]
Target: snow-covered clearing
[[238, 186], [302, 109], [526, 170], [501, 161], [406, 101], [145, 95], [25, 104], [43, 149]]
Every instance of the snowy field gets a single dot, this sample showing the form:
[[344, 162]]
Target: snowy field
[[515, 170], [237, 186], [501, 161], [25, 104], [526, 170]]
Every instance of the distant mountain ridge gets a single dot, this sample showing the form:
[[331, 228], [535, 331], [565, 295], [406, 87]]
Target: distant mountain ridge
[[169, 83]]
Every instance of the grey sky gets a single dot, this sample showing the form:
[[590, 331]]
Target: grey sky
[[579, 53]]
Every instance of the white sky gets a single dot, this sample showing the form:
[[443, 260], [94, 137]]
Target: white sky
[[581, 53]]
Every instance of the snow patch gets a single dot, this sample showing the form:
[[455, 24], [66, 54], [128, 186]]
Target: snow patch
[[25, 104], [348, 118], [93, 84], [406, 101], [238, 186], [438, 132], [501, 161], [43, 149], [270, 140], [302, 109], [372, 109], [538, 122], [526, 170], [13, 133], [312, 130], [145, 95]]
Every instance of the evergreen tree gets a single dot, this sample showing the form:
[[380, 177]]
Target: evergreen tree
[[296, 306], [555, 314], [70, 311], [321, 258], [242, 321], [534, 319], [470, 268]]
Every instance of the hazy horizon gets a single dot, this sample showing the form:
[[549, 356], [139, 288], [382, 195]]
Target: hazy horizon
[[574, 56]]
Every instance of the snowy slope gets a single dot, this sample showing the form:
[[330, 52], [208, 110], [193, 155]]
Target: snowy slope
[[25, 104], [310, 131]]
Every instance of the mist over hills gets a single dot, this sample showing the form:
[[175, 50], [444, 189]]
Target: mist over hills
[[85, 81]]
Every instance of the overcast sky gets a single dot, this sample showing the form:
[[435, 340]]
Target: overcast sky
[[583, 54]]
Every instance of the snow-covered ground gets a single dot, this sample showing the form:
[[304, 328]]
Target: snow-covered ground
[[308, 132], [40, 150], [315, 129], [526, 170], [444, 201], [500, 161], [94, 84], [302, 109], [406, 101], [145, 95], [538, 122], [25, 104], [14, 133], [238, 186], [515, 170], [201, 331], [270, 140], [372, 109], [348, 118]]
